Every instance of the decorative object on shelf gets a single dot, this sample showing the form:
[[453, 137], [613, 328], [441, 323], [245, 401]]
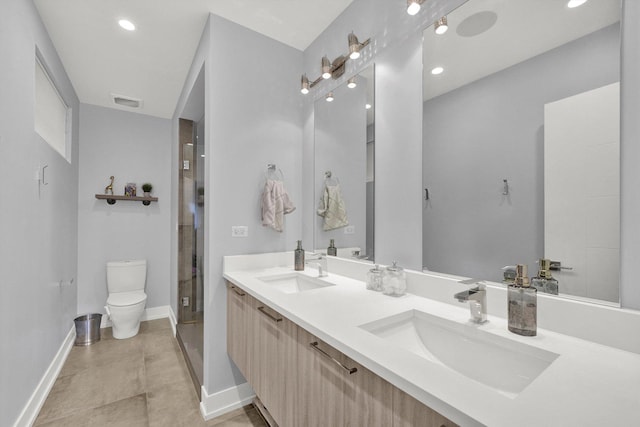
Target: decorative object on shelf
[[109, 188], [130, 189], [334, 69], [146, 188], [111, 199]]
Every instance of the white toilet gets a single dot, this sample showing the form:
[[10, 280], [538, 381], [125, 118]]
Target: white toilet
[[126, 301]]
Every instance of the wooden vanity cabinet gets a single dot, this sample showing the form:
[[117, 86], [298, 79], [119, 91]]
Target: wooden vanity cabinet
[[308, 385], [334, 390], [274, 374], [409, 412], [239, 328]]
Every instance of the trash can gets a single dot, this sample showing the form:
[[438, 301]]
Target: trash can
[[87, 329]]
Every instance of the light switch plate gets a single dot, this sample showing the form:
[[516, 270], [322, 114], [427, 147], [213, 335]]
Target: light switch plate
[[239, 231], [350, 229]]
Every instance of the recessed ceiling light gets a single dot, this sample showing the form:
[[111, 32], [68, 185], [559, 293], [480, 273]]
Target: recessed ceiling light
[[575, 3], [367, 106], [437, 70], [126, 24], [351, 83], [329, 97]]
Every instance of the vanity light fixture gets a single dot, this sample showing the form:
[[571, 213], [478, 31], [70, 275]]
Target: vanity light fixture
[[575, 3], [329, 97], [413, 6], [304, 85], [351, 83], [336, 68], [437, 70], [326, 68], [126, 24], [354, 46], [441, 26]]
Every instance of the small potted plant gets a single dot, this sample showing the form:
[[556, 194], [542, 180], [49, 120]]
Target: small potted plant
[[146, 188]]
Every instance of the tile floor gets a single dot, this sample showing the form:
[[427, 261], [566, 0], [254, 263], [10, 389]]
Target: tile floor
[[140, 381]]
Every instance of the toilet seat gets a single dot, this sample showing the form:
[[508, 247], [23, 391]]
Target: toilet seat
[[125, 299]]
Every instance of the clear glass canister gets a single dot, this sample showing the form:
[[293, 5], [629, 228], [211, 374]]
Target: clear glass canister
[[394, 281], [374, 279]]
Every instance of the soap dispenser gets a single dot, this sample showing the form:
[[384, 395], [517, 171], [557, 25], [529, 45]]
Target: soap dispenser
[[299, 257], [394, 281], [332, 250], [545, 282], [522, 304]]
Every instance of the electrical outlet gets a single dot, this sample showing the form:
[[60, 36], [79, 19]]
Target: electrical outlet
[[185, 301], [239, 231], [350, 229]]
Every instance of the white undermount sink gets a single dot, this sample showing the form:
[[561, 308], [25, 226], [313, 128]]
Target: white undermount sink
[[505, 365], [290, 283]]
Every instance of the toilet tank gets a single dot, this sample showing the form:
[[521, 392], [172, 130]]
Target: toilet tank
[[126, 276]]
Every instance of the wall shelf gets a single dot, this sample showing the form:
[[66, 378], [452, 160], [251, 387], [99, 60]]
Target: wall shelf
[[111, 199]]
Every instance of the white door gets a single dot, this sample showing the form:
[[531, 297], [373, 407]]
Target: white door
[[582, 191]]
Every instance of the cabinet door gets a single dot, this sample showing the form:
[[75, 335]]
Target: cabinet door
[[238, 328], [273, 358], [409, 412], [335, 391]]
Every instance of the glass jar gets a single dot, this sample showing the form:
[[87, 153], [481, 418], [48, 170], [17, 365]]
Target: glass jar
[[374, 279], [394, 281]]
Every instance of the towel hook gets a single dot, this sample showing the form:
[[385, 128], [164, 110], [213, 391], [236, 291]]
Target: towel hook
[[505, 187]]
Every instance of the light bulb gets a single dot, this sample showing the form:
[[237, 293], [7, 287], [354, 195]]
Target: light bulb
[[329, 97], [352, 83], [126, 24], [367, 106], [441, 26], [413, 7], [575, 3]]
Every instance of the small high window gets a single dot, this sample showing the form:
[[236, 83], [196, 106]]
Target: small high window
[[51, 112]]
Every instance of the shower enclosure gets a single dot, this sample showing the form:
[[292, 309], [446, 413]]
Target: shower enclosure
[[191, 246]]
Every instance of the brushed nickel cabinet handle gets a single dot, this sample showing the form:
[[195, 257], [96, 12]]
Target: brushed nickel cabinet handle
[[314, 345], [263, 311], [239, 292]]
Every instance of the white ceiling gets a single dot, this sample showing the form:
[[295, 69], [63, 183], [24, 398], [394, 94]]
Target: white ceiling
[[523, 29], [152, 62]]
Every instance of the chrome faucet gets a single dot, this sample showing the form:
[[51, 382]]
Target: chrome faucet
[[321, 261], [477, 298]]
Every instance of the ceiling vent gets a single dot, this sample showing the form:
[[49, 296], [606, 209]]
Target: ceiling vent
[[126, 101]]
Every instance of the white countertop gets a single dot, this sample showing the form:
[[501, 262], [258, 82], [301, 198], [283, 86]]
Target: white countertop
[[589, 384]]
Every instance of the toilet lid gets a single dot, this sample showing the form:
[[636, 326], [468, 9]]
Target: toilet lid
[[122, 299]]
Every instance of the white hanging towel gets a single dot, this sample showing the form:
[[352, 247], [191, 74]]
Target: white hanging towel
[[332, 208], [275, 204]]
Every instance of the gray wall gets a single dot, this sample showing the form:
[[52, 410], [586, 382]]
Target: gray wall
[[38, 244], [133, 148], [492, 129], [252, 118]]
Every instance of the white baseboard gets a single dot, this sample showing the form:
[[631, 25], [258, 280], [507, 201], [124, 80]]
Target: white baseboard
[[173, 320], [32, 408], [150, 313], [219, 403]]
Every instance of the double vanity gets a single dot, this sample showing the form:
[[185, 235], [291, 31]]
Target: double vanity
[[327, 351]]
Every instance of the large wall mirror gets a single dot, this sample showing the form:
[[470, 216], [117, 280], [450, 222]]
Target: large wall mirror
[[344, 140], [521, 156]]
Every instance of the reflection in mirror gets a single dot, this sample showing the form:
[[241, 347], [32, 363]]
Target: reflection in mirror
[[344, 162], [521, 142]]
